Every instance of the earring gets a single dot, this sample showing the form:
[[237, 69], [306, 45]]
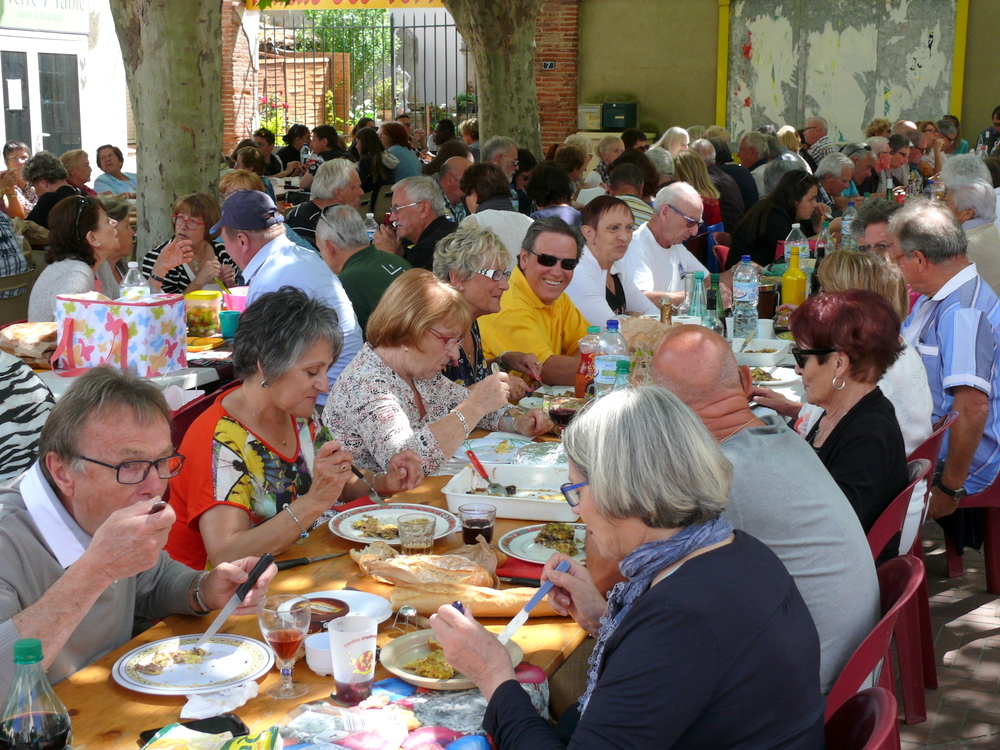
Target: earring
[[842, 383], [263, 384], [97, 244], [406, 349], [460, 288]]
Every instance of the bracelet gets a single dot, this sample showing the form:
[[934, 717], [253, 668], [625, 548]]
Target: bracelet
[[499, 361], [512, 414], [154, 277], [199, 600], [375, 479], [303, 534], [462, 419]]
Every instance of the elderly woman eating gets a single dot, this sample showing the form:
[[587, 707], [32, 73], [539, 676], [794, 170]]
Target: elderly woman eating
[[253, 479], [20, 196], [707, 644], [47, 176], [114, 180], [474, 261], [393, 395]]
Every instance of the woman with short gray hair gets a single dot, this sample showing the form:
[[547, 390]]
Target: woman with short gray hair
[[474, 261], [47, 175], [253, 482], [706, 643]]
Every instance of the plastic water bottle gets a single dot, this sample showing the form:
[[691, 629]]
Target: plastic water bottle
[[684, 308], [746, 288], [622, 371], [848, 216], [796, 239], [699, 305], [585, 372], [134, 285], [711, 318], [611, 349], [304, 155], [371, 227], [33, 716]]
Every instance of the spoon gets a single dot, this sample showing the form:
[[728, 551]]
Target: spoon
[[493, 488]]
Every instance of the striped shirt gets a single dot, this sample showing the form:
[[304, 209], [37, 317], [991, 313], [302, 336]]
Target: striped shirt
[[957, 333], [25, 403], [12, 260]]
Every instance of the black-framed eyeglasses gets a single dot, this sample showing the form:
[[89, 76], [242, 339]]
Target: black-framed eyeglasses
[[690, 222], [571, 491], [801, 354], [493, 274], [878, 246], [448, 340], [857, 149], [134, 472], [548, 261]]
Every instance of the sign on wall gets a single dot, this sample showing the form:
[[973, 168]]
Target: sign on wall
[[346, 4], [69, 16]]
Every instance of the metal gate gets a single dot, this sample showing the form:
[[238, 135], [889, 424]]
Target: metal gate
[[336, 66]]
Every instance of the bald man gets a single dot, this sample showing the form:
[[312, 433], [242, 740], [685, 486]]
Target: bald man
[[782, 494]]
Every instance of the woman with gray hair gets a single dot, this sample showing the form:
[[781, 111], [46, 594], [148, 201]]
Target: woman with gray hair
[[253, 481], [707, 643], [474, 261], [47, 175]]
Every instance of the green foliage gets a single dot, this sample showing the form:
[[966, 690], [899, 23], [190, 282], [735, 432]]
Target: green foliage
[[463, 101], [273, 111], [381, 101]]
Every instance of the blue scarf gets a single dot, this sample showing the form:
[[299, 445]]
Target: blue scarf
[[641, 566]]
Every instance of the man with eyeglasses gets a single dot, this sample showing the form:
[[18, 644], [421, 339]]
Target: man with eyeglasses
[[449, 182], [814, 134], [82, 533], [974, 205], [870, 227], [656, 260], [336, 183], [955, 325], [502, 151], [536, 315], [862, 174], [415, 222]]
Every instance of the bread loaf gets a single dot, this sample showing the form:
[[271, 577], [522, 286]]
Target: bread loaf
[[481, 601]]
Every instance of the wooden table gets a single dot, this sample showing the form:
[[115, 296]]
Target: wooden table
[[106, 715]]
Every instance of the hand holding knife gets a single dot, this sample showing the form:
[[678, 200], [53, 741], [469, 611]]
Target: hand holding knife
[[241, 593]]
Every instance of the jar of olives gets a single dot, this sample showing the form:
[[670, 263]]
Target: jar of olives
[[202, 310]]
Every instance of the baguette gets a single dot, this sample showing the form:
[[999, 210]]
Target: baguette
[[482, 602]]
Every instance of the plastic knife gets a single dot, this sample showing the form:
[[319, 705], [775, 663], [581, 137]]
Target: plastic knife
[[521, 617]]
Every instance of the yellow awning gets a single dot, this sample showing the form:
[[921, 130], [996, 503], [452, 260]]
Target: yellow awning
[[347, 4]]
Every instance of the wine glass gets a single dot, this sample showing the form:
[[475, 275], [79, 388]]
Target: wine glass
[[562, 409], [284, 623]]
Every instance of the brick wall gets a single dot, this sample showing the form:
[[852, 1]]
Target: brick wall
[[239, 80], [557, 37]]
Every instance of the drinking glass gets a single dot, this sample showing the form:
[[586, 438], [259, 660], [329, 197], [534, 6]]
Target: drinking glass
[[416, 533], [477, 518], [352, 653], [284, 623], [562, 409]]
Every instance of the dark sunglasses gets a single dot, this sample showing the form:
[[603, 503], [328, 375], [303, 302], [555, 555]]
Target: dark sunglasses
[[801, 354], [548, 261]]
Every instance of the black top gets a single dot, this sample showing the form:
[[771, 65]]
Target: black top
[[469, 370], [40, 213], [762, 247], [616, 299], [273, 165], [730, 197], [744, 181], [421, 253], [720, 654], [333, 153], [303, 219], [288, 153], [368, 184], [865, 455]]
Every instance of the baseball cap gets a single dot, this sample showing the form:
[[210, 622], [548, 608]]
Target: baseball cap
[[248, 209]]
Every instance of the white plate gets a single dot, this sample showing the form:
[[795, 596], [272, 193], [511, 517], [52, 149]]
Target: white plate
[[491, 450], [231, 659], [444, 522], [555, 390], [520, 544], [785, 376], [412, 646], [531, 402], [360, 602]]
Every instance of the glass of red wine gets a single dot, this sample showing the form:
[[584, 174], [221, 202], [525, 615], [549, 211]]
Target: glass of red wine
[[477, 519], [284, 623], [562, 409]]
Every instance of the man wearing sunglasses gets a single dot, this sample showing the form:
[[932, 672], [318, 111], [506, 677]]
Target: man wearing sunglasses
[[536, 315], [415, 223], [82, 532]]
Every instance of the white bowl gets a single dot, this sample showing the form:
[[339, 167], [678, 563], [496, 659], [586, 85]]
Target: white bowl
[[318, 653]]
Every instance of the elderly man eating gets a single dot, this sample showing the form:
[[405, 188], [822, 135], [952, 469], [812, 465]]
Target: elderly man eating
[[418, 210], [82, 533]]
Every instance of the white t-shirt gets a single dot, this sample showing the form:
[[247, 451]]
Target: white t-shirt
[[588, 291], [653, 268]]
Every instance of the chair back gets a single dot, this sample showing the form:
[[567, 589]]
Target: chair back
[[866, 721], [698, 247], [890, 522], [899, 580], [381, 203], [16, 307], [365, 205], [931, 447], [711, 257]]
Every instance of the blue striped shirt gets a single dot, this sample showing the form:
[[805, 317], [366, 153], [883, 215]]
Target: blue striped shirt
[[957, 333]]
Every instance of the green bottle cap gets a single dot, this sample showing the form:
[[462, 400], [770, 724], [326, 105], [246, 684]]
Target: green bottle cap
[[27, 651], [699, 275], [623, 365], [593, 330]]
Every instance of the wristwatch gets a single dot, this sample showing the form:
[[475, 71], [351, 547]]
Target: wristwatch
[[953, 494]]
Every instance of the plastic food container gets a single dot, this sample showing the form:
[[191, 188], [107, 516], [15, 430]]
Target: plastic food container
[[538, 497], [752, 356], [202, 312]]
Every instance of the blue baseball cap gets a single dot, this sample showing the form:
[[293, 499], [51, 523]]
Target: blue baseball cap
[[248, 210]]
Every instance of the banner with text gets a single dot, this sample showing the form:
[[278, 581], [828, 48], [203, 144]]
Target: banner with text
[[70, 16], [344, 4]]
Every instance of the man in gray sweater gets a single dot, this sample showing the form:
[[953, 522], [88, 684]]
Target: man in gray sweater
[[82, 532], [782, 494]]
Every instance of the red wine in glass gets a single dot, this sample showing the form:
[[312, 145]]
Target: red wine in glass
[[473, 527], [352, 693], [562, 416], [285, 642]]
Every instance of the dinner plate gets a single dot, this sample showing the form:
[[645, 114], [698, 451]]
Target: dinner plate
[[785, 376], [531, 402], [360, 602], [412, 646], [555, 390], [444, 522], [231, 659], [521, 544], [491, 450]]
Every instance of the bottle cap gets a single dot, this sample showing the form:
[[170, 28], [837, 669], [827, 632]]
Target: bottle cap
[[369, 216], [699, 275], [593, 330], [795, 226], [745, 258], [613, 324], [133, 264], [623, 365], [27, 651]]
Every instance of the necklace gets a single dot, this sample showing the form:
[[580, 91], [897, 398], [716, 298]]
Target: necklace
[[255, 417], [752, 418]]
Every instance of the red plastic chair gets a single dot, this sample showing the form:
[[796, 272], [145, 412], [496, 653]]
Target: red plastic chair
[[890, 522], [899, 579], [722, 254], [866, 721], [722, 238]]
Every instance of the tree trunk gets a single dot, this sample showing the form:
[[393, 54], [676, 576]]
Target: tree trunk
[[501, 36], [173, 65]]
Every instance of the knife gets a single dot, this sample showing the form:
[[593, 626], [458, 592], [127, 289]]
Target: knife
[[373, 495], [521, 617], [531, 582], [296, 562], [244, 588]]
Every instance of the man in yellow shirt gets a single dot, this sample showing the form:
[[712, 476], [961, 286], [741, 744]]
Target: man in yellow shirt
[[535, 314]]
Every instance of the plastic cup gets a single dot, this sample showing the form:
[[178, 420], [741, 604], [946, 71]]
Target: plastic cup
[[228, 322], [416, 533], [477, 518], [765, 328], [352, 653], [236, 298], [730, 327]]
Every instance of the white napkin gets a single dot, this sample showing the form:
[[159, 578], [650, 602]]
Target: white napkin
[[204, 705]]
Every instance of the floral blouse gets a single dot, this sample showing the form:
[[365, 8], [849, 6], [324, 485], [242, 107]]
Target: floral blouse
[[372, 411], [467, 370]]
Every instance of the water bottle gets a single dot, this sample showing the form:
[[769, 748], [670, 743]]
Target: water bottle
[[134, 285], [622, 371], [304, 155], [711, 319], [796, 239], [371, 227], [585, 372], [684, 308], [929, 188], [33, 716], [699, 304], [849, 215], [611, 349], [746, 287]]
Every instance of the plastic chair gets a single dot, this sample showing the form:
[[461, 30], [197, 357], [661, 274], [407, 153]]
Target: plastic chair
[[989, 501], [365, 205], [16, 307], [890, 521], [899, 579], [722, 254], [866, 721]]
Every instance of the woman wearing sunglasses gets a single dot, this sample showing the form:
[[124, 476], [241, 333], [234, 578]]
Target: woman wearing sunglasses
[[473, 260], [393, 395], [192, 258], [844, 344], [708, 642]]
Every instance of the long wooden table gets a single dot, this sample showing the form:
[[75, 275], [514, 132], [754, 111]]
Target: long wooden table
[[106, 715]]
